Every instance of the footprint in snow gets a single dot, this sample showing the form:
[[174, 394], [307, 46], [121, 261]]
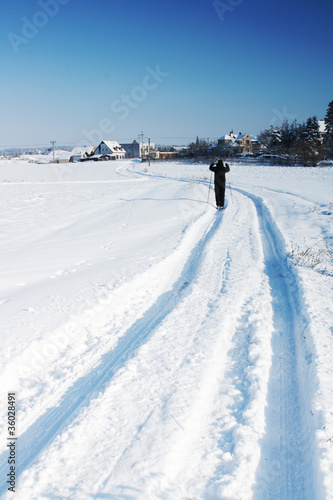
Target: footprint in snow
[[64, 272], [107, 246]]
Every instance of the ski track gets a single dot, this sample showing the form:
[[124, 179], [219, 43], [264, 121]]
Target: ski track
[[286, 469], [198, 418], [55, 418], [199, 424]]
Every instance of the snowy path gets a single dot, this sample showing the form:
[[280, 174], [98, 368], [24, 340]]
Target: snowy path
[[190, 380], [286, 464]]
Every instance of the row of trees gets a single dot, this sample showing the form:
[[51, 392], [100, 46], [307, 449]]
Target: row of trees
[[301, 142], [200, 147]]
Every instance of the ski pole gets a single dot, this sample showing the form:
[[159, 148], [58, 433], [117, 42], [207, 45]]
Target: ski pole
[[210, 182]]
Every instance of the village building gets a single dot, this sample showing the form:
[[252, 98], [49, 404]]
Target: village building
[[80, 152], [239, 144], [137, 149], [168, 155], [132, 149], [109, 150], [62, 156]]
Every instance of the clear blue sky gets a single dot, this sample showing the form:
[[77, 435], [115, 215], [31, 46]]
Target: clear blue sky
[[77, 70]]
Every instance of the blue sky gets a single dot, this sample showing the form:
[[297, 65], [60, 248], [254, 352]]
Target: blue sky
[[76, 71]]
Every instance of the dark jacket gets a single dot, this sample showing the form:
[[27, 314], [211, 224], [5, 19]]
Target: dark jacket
[[220, 170]]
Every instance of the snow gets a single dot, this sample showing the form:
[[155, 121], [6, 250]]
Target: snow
[[160, 348], [322, 126], [113, 146], [226, 137], [81, 150]]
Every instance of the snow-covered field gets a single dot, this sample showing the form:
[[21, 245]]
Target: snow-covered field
[[158, 348]]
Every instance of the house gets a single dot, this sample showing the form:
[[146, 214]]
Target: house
[[226, 140], [135, 149], [167, 155], [146, 148], [132, 149], [248, 143], [240, 144], [61, 156], [110, 150], [80, 152]]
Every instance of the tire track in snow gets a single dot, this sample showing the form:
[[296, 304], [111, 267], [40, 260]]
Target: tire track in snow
[[286, 467], [55, 419]]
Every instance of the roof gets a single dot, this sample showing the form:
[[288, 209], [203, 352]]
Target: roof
[[61, 155], [252, 137], [80, 150], [225, 138], [233, 140], [113, 146]]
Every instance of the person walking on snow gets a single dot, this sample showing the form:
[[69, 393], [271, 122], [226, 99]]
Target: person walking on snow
[[219, 181]]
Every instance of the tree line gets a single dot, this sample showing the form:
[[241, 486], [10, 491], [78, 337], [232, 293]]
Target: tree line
[[301, 142], [291, 143]]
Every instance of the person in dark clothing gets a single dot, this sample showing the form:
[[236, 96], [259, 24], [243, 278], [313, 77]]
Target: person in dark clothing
[[219, 181]]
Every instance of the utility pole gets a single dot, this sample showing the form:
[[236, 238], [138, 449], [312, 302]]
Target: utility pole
[[140, 144], [53, 143], [149, 150]]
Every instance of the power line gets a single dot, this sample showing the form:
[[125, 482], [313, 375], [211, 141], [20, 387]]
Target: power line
[[76, 143], [39, 145]]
